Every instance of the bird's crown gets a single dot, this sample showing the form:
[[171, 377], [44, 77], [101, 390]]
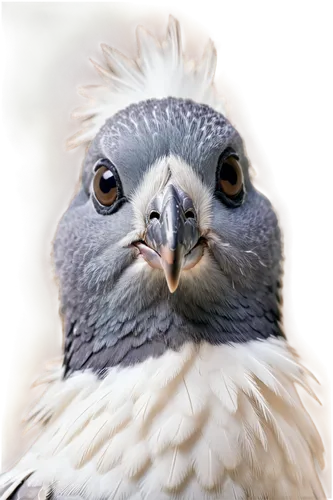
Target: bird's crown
[[160, 69]]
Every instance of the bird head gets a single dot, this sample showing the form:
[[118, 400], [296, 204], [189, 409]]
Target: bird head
[[167, 240]]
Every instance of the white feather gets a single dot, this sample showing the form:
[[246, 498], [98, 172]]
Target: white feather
[[135, 459], [233, 491], [168, 428], [224, 389], [174, 467], [159, 70], [176, 430], [196, 394], [48, 377], [89, 442], [208, 467], [145, 405], [223, 442], [163, 376], [253, 427]]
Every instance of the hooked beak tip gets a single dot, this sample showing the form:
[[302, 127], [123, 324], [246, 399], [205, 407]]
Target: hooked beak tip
[[172, 282], [172, 285], [172, 264]]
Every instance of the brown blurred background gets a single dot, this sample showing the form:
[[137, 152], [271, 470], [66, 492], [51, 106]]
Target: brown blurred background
[[49, 46]]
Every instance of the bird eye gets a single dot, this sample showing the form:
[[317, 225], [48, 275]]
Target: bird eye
[[231, 177], [107, 193], [105, 186], [230, 180]]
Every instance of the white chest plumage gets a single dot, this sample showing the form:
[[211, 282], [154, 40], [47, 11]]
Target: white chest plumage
[[207, 422]]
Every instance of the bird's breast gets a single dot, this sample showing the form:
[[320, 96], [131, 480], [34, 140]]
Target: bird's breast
[[204, 422]]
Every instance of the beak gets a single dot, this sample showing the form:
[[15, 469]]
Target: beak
[[172, 232]]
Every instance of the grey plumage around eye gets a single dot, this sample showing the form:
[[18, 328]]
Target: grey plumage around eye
[[242, 243]]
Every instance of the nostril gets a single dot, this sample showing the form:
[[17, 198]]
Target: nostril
[[154, 215], [189, 214]]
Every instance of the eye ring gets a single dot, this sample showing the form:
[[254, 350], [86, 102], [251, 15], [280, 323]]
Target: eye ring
[[107, 193], [230, 179]]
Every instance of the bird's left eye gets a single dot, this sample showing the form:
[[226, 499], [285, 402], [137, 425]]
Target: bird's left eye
[[230, 180], [231, 177]]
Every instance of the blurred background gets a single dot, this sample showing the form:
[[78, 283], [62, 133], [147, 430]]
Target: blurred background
[[49, 45]]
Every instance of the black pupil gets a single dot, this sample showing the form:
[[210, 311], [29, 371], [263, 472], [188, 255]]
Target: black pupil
[[229, 174], [107, 182]]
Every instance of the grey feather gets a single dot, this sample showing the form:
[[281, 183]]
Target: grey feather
[[109, 322]]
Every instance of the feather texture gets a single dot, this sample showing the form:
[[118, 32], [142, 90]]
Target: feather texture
[[185, 425], [159, 70]]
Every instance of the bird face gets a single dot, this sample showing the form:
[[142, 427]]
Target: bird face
[[166, 241]]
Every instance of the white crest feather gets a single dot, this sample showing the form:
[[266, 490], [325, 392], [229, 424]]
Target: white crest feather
[[159, 70]]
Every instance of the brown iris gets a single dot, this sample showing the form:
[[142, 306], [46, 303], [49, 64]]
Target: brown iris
[[105, 186], [231, 177]]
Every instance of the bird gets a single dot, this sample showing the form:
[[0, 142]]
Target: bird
[[177, 380]]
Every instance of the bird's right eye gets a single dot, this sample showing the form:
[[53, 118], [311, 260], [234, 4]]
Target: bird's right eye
[[105, 187], [107, 194]]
